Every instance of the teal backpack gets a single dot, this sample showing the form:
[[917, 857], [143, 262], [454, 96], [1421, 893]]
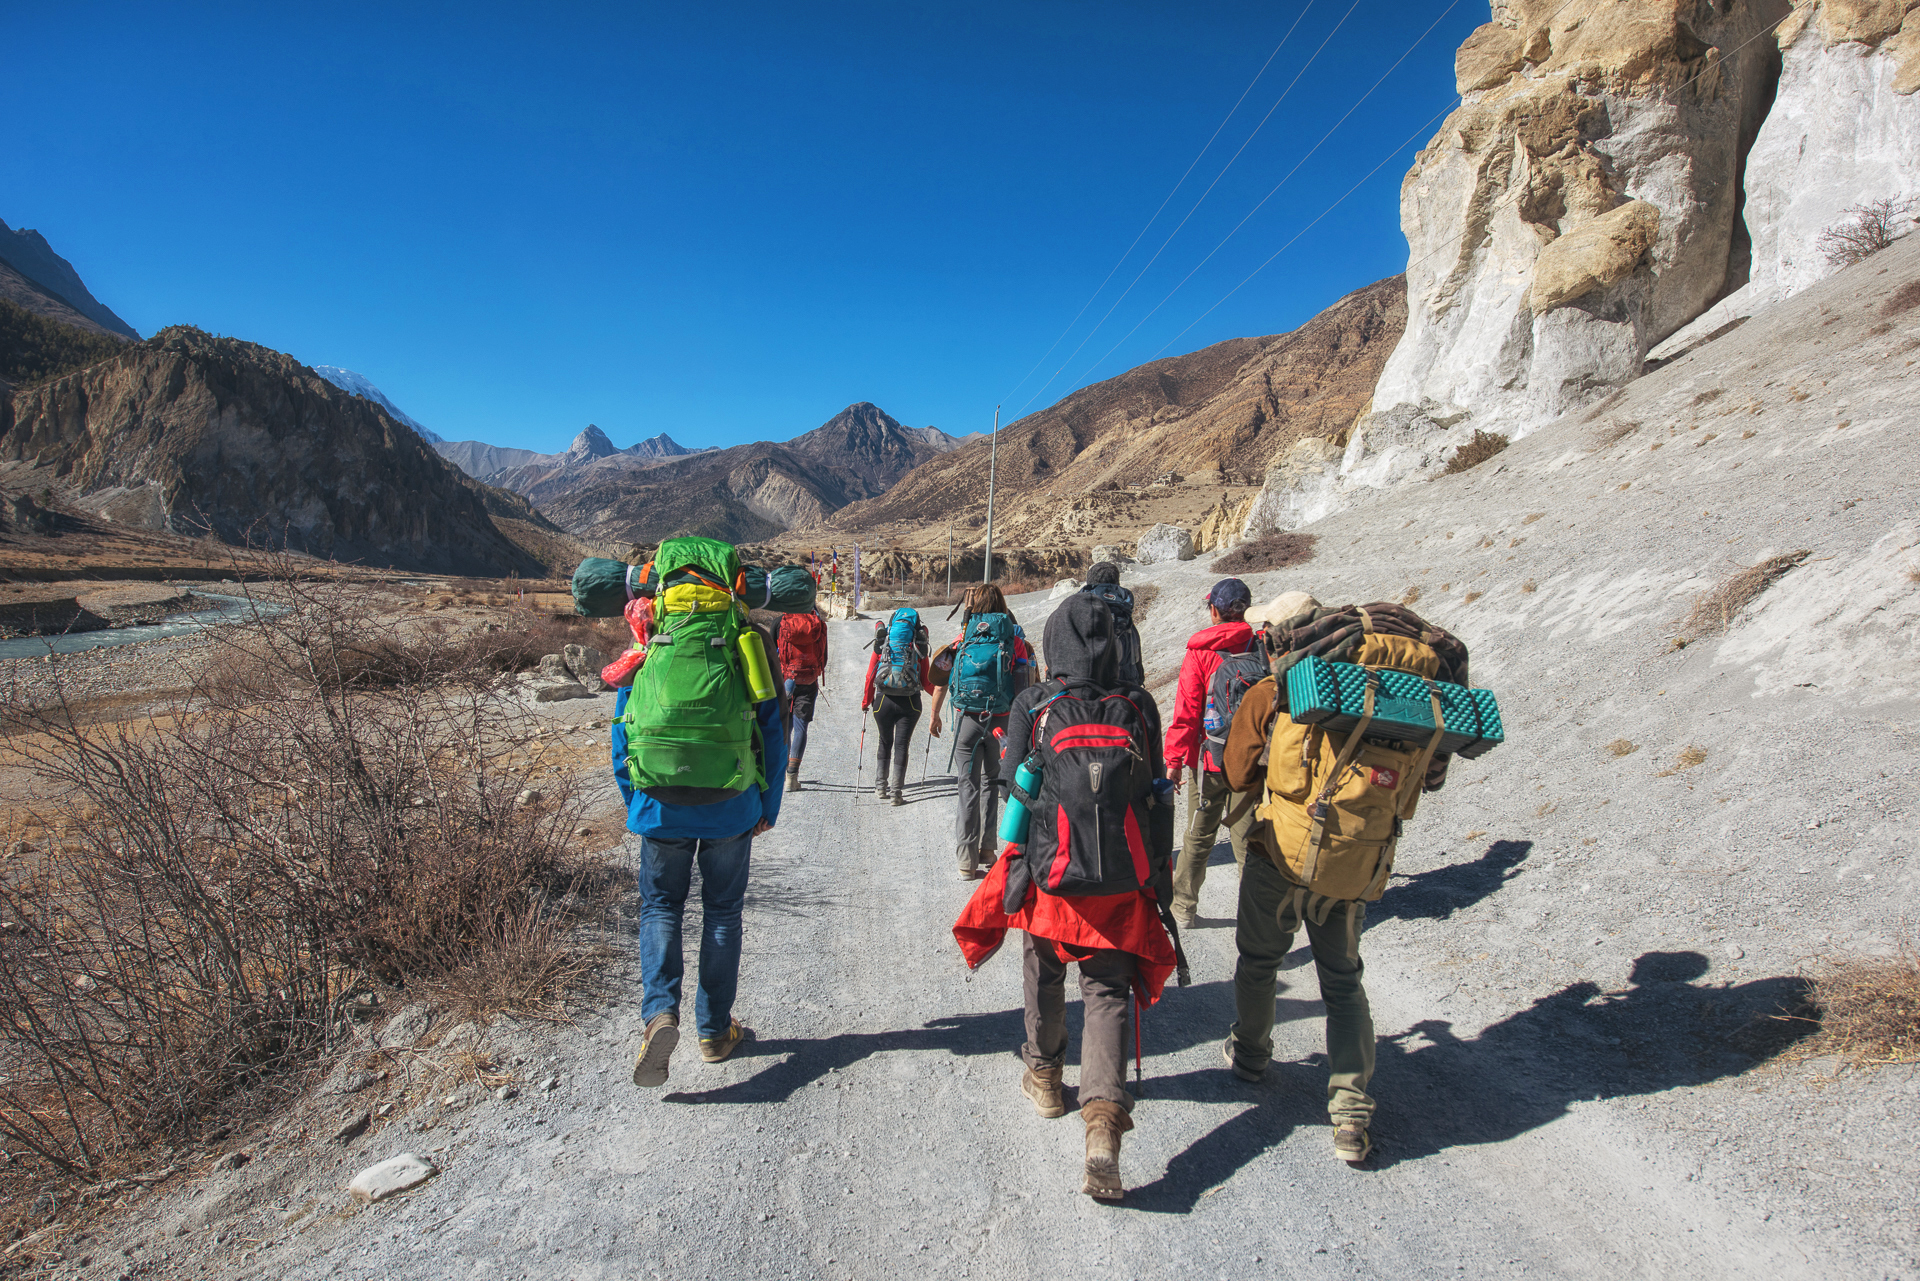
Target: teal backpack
[[692, 738], [982, 679]]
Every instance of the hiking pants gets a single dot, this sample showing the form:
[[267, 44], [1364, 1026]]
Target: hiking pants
[[1272, 911], [666, 877], [894, 717], [1106, 990], [801, 698], [1213, 802], [976, 826]]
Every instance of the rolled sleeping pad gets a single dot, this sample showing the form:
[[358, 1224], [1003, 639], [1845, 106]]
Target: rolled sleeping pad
[[1333, 696], [602, 587]]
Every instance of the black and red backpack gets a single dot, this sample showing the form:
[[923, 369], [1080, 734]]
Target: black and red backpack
[[1088, 829]]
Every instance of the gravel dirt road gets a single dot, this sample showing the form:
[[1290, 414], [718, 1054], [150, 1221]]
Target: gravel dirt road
[[1574, 972]]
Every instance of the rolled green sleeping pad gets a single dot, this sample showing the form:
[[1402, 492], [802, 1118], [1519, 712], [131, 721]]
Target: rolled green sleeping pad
[[602, 587], [1333, 695]]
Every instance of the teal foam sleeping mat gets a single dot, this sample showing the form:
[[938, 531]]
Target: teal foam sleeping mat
[[1333, 695]]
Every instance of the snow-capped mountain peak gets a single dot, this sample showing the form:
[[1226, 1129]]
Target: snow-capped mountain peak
[[360, 385]]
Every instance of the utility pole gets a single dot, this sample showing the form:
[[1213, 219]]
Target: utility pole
[[993, 458], [949, 560]]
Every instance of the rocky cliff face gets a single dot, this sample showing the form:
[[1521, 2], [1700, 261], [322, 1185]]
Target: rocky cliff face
[[188, 431], [1844, 130]]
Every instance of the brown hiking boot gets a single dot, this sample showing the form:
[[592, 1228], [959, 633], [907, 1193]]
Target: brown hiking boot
[[1043, 1087], [656, 1048], [1106, 1122], [1351, 1142]]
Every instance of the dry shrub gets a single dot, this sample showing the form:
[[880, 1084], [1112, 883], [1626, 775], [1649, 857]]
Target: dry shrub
[[1905, 298], [249, 858], [1612, 434], [1868, 1009], [1874, 225], [1484, 445], [1716, 609], [1412, 595], [1269, 551], [1621, 747], [1689, 757]]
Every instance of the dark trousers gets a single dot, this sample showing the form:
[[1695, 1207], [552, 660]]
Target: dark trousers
[[802, 699], [1272, 911], [978, 759], [1106, 988], [894, 717]]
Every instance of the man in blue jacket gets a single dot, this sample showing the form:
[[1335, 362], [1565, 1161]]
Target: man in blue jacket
[[719, 837]]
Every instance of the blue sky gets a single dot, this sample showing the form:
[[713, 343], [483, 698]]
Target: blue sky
[[722, 221]]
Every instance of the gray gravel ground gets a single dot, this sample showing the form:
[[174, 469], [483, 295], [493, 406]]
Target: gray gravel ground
[[1568, 973]]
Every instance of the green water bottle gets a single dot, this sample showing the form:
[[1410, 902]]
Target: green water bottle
[[753, 658]]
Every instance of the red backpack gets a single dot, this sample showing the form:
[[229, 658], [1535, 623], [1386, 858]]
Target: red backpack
[[803, 647]]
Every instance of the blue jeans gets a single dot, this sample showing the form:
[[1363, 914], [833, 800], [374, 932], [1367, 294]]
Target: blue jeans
[[666, 876]]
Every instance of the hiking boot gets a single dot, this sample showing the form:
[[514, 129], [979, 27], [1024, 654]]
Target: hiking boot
[[1043, 1087], [1185, 920], [1244, 1073], [880, 789], [793, 781], [656, 1047], [715, 1049], [1351, 1142], [1106, 1122], [969, 873], [900, 786], [899, 798]]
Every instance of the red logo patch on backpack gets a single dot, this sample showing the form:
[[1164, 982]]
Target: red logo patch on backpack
[[1387, 778]]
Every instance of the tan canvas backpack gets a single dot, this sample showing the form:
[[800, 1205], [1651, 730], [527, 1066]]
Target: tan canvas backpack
[[1335, 802]]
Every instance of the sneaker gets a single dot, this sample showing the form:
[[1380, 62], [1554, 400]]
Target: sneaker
[[716, 1049], [1351, 1142], [656, 1047], [1043, 1087], [793, 783], [1245, 1074]]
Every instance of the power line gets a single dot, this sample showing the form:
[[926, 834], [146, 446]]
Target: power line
[[1138, 277], [1304, 230], [1163, 203], [1454, 4]]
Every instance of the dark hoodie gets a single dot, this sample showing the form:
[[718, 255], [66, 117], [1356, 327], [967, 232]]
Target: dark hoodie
[[1079, 649]]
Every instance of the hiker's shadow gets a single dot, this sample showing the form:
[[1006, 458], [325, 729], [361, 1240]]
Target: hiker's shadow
[[1578, 1044], [1439, 892]]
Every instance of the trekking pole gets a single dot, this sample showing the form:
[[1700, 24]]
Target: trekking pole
[[860, 758]]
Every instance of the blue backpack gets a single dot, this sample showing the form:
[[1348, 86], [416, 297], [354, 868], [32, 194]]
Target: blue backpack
[[901, 646], [982, 679]]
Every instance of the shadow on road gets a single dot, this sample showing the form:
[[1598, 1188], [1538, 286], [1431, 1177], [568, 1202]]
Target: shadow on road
[[1439, 1091], [1440, 892]]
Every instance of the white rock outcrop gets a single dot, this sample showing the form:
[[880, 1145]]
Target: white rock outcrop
[[1065, 587], [1164, 543], [1844, 129], [397, 1174]]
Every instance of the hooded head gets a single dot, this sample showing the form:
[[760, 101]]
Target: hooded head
[[1079, 641]]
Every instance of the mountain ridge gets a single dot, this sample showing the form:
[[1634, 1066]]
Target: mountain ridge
[[28, 253]]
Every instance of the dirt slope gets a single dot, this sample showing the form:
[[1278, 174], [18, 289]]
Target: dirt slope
[[1220, 415]]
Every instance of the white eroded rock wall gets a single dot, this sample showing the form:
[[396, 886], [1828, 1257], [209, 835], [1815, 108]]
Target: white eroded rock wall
[[1580, 205]]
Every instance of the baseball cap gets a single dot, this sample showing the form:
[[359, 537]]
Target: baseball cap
[[1229, 593]]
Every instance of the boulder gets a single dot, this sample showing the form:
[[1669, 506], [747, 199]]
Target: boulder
[[585, 662], [1065, 587], [1164, 543], [377, 1182], [559, 691], [1111, 554], [1594, 255]]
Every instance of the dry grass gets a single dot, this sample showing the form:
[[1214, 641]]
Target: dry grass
[[1621, 747], [1269, 552], [1905, 298], [1689, 757], [1484, 445], [1868, 1009], [1529, 586], [1412, 595], [1717, 608], [250, 858], [1612, 434]]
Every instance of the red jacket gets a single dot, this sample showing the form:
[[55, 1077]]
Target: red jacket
[[1185, 735], [1076, 926]]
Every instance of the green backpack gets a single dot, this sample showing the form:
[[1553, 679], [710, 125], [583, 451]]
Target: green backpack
[[692, 738]]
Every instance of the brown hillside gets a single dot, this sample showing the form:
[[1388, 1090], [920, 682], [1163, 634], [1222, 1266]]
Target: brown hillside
[[1216, 417]]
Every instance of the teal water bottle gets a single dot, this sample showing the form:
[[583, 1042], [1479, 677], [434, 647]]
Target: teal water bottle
[[1014, 819]]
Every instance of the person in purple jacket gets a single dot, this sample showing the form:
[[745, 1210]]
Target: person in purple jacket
[[673, 838]]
